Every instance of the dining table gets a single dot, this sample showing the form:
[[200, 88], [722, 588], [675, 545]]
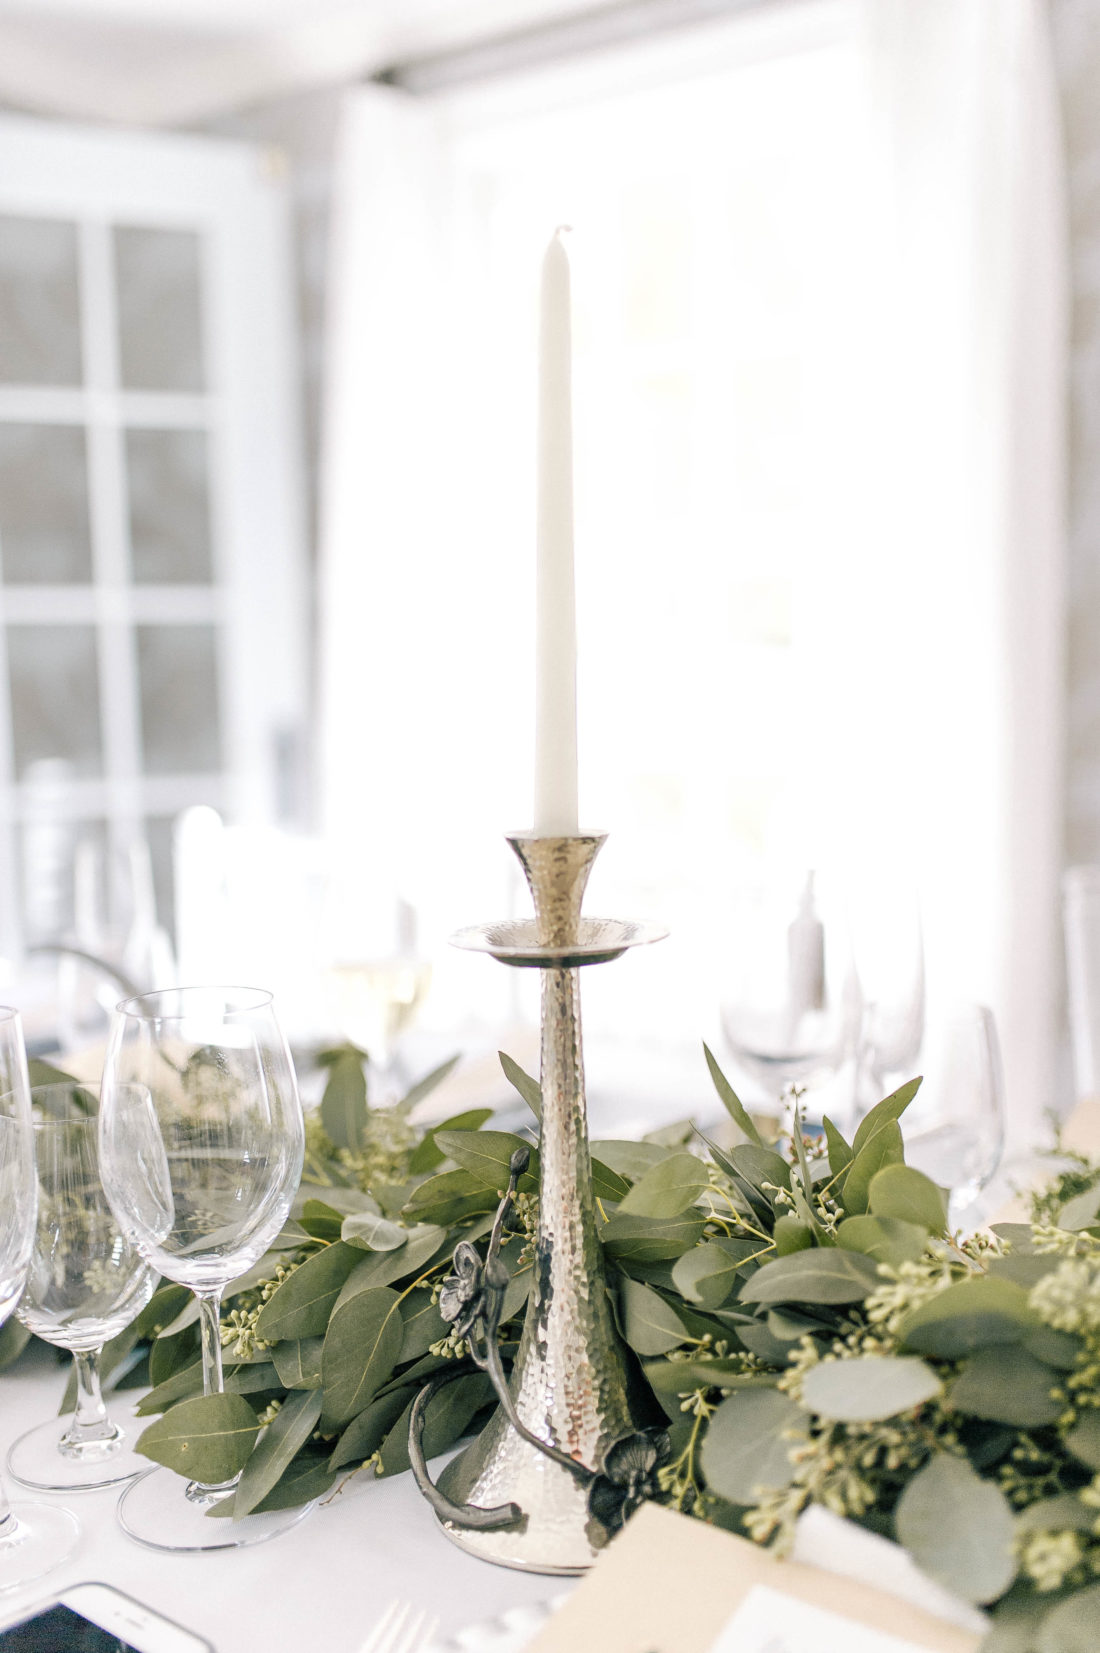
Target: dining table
[[325, 1582]]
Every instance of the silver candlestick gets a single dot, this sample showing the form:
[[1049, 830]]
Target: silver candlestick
[[568, 1384]]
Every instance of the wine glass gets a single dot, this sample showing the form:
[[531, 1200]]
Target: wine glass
[[34, 1538], [85, 1284], [201, 1147], [954, 1131], [376, 979], [791, 1013]]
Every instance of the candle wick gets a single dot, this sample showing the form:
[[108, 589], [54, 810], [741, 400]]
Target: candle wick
[[564, 229]]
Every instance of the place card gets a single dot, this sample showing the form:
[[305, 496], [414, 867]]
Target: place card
[[668, 1584], [770, 1621]]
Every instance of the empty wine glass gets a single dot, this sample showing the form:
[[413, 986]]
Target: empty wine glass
[[34, 1538], [201, 1147], [954, 1131], [85, 1284], [791, 1012], [376, 979]]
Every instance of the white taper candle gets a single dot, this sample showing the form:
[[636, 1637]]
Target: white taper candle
[[555, 624]]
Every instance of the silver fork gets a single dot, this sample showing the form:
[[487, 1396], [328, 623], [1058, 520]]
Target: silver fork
[[401, 1629]]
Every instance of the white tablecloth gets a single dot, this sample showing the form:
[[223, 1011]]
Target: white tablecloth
[[322, 1584]]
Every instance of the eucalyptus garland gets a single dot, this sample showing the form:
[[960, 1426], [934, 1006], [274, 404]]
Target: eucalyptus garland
[[800, 1317]]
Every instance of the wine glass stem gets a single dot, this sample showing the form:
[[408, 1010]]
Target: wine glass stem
[[90, 1421], [200, 1492], [9, 1521], [210, 1303]]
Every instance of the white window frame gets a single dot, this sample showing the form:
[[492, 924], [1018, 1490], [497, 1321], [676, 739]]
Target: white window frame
[[235, 196]]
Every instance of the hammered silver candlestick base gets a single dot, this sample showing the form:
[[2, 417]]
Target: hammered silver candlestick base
[[569, 1379]]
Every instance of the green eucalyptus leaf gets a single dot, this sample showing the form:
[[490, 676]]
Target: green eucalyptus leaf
[[669, 1379], [486, 1156], [1080, 1212], [958, 1528], [706, 1274], [366, 1432], [362, 1345], [884, 1148], [732, 1102], [909, 1196], [426, 1156], [840, 1152], [163, 1307], [423, 1325], [606, 1183], [1027, 1271], [448, 1416], [650, 1325], [1057, 1349], [449, 1197], [968, 1316], [300, 1307], [1084, 1440], [424, 1087], [320, 1221], [667, 1189], [207, 1439], [1073, 1625], [868, 1388], [371, 1233], [281, 1442], [384, 1268], [14, 1338], [182, 1385], [344, 1103], [528, 1088], [889, 1109], [1063, 1513], [886, 1239], [298, 1363], [833, 1276], [307, 1477], [791, 1234], [650, 1239], [630, 1159], [760, 1341], [761, 1165], [748, 1445]]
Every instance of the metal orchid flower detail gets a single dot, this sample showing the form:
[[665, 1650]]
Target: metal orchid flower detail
[[472, 1300]]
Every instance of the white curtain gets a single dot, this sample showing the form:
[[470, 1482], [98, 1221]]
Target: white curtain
[[942, 634], [965, 448]]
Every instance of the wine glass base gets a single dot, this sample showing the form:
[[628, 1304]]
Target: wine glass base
[[42, 1538], [155, 1511], [36, 1460]]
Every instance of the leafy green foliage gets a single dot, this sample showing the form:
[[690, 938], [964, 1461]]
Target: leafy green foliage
[[797, 1308]]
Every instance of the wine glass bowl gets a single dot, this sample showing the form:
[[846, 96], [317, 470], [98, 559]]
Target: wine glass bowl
[[791, 1010], [955, 1129], [34, 1538], [202, 1143], [85, 1284]]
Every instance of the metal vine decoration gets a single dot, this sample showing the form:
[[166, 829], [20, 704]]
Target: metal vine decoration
[[471, 1300]]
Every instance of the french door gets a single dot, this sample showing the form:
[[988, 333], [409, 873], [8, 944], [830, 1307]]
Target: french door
[[152, 612]]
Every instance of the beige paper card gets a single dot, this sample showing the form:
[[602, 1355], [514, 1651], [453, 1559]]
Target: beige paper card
[[668, 1584]]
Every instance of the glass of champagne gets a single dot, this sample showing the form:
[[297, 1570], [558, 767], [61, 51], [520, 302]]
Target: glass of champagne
[[34, 1538], [376, 981], [85, 1285], [201, 1147]]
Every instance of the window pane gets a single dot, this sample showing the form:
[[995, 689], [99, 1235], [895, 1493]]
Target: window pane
[[159, 309], [44, 536], [55, 696], [159, 830], [180, 710], [39, 303], [169, 506]]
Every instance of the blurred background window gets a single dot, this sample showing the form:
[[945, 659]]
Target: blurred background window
[[153, 627]]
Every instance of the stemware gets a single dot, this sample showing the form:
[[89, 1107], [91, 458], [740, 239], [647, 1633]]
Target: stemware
[[34, 1538], [201, 1147], [375, 980], [85, 1284], [792, 1009], [954, 1131]]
